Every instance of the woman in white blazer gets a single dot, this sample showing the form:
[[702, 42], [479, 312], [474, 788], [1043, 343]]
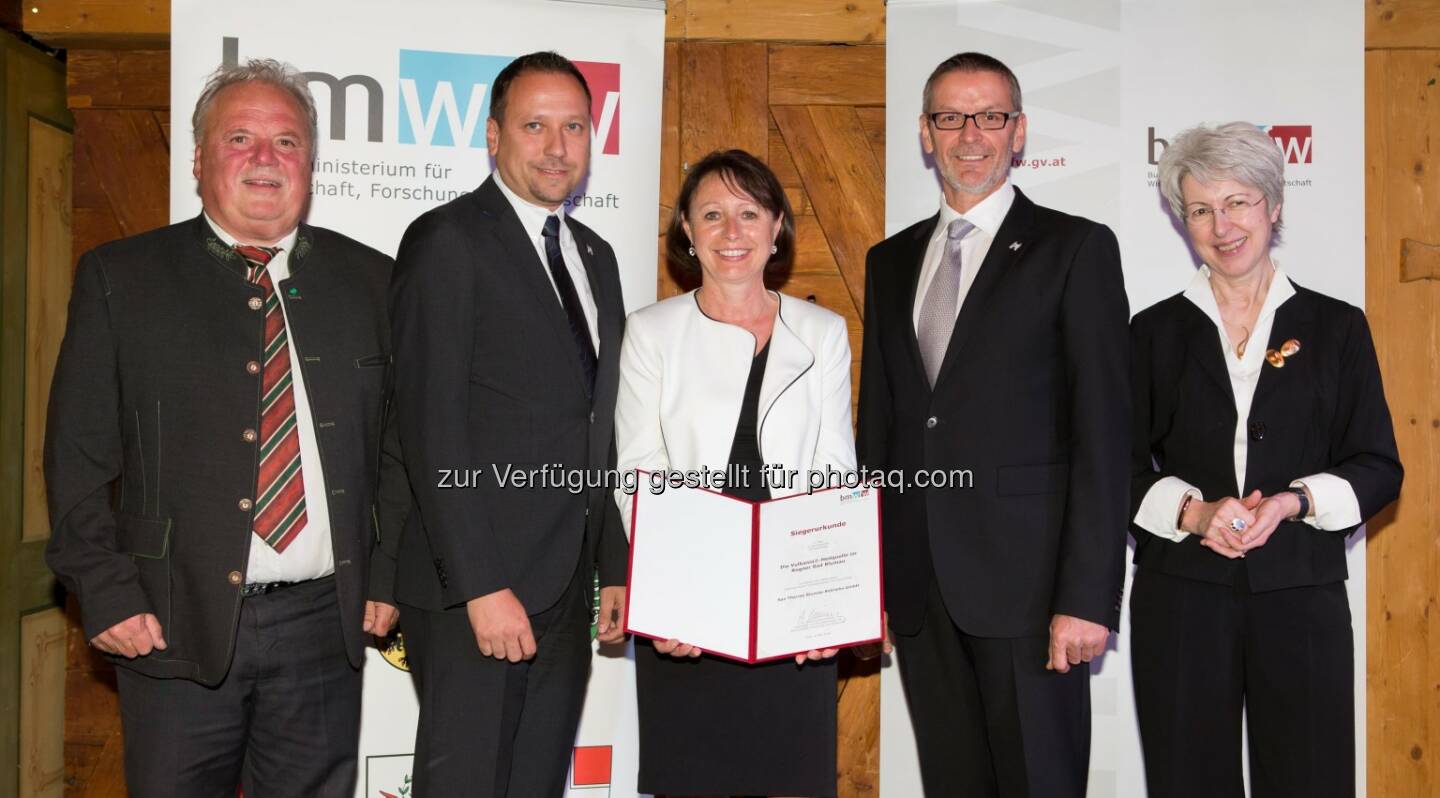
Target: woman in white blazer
[[733, 375]]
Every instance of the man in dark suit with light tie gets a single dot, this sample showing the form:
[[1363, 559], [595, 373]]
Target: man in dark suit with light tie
[[996, 342], [230, 373], [507, 323]]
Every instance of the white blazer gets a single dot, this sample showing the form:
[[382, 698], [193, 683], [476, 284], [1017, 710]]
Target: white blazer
[[682, 381]]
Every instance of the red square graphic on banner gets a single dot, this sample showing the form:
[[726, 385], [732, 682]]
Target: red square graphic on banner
[[1293, 141], [604, 81], [591, 767]]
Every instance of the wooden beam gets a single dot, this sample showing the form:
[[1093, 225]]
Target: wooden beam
[[119, 24], [791, 20], [675, 20], [1402, 24]]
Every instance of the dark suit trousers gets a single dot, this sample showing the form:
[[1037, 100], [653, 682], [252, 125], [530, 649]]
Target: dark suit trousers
[[284, 722], [989, 720], [490, 727], [1201, 652]]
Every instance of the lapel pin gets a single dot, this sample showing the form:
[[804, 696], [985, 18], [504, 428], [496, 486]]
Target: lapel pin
[[1274, 358], [588, 250], [1015, 247], [1290, 347]]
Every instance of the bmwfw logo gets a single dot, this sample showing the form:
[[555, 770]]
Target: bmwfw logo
[[1292, 140], [443, 99]]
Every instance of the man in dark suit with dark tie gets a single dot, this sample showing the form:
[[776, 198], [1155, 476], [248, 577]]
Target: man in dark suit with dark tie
[[996, 344], [507, 323], [230, 373]]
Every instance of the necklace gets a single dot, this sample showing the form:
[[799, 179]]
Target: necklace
[[1240, 347]]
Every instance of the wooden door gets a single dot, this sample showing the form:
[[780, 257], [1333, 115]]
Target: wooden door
[[35, 276]]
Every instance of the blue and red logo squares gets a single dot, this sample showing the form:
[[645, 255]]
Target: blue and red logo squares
[[445, 98]]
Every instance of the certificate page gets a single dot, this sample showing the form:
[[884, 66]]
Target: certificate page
[[690, 560], [819, 572]]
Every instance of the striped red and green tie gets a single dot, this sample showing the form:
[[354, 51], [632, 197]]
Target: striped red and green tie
[[280, 489]]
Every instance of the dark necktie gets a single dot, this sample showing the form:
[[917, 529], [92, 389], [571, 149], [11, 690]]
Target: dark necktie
[[280, 486], [579, 328]]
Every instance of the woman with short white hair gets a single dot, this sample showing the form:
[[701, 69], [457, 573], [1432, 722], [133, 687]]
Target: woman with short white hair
[[1262, 440]]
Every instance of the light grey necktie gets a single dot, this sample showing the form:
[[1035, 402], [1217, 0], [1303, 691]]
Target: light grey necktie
[[937, 313]]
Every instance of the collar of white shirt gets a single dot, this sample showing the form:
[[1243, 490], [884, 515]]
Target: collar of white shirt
[[1200, 294], [986, 216], [286, 244], [532, 216]]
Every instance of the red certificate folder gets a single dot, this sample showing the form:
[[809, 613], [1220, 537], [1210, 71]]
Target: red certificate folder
[[756, 581]]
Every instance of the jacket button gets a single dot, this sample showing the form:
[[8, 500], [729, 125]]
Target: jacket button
[[256, 303], [248, 436], [245, 504], [931, 422], [253, 367], [1257, 431], [234, 577]]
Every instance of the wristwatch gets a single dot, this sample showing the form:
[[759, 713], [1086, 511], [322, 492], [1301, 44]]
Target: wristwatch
[[1304, 504]]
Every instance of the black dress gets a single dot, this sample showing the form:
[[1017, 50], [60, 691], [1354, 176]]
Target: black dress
[[712, 726]]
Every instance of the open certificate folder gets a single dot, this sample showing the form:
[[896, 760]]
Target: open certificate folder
[[756, 581]]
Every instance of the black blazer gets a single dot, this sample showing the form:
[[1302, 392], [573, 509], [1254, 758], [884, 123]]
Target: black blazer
[[1033, 399], [1324, 411], [487, 377], [151, 389]]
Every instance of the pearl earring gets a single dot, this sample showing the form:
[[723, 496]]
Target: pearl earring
[[692, 252], [774, 248]]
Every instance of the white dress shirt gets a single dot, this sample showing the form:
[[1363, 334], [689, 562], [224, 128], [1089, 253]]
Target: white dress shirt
[[1335, 504], [532, 217], [311, 554], [986, 218]]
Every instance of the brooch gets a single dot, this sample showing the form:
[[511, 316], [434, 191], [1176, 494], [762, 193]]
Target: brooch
[[1276, 357]]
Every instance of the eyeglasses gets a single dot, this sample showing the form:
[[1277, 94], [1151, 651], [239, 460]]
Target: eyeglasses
[[985, 120], [1234, 208]]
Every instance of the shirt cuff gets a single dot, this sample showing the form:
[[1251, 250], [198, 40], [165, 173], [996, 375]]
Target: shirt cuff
[[1334, 505], [1160, 510]]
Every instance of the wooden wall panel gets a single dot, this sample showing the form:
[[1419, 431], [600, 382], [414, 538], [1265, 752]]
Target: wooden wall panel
[[1403, 567], [671, 174], [723, 99], [129, 79], [47, 292], [94, 745], [827, 74], [42, 704], [844, 182], [128, 156]]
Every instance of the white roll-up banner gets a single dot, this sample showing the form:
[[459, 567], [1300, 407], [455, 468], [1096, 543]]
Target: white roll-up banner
[[402, 91], [1106, 83]]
